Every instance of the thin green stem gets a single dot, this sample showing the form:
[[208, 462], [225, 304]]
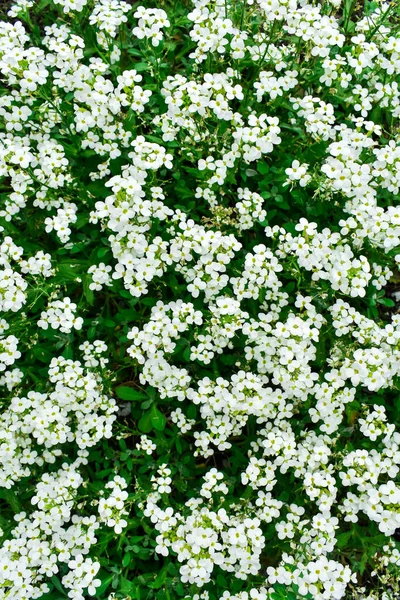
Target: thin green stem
[[243, 13]]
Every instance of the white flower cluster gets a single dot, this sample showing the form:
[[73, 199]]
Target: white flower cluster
[[39, 540], [70, 5], [82, 575], [322, 578], [210, 251], [149, 346], [209, 96], [297, 172], [320, 31], [162, 482], [61, 221], [132, 95], [374, 424], [60, 314], [92, 354], [54, 534], [274, 86], [13, 285], [36, 425], [326, 256], [146, 445], [9, 352], [150, 25], [111, 509], [345, 173], [180, 419], [226, 406], [213, 483], [213, 32], [260, 272], [19, 6], [227, 318], [39, 264], [108, 15], [377, 365], [28, 69], [249, 208], [129, 215], [149, 156], [206, 537], [100, 276], [34, 429], [378, 502], [318, 116], [11, 378]]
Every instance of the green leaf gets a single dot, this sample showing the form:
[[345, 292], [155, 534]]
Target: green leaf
[[67, 272], [290, 227], [141, 66], [104, 585], [10, 497], [157, 418], [228, 359], [221, 580], [68, 353], [127, 393], [192, 411], [159, 580], [151, 392], [91, 333], [97, 189], [262, 168], [386, 302], [88, 293], [290, 287], [343, 538], [109, 323], [102, 251], [126, 586], [42, 354], [282, 203], [145, 405], [363, 562], [42, 5], [145, 424], [57, 584], [154, 139], [193, 171]]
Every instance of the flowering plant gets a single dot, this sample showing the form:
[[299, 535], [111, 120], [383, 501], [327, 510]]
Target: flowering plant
[[200, 328]]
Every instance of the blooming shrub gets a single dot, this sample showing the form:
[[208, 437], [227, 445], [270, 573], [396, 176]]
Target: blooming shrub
[[199, 273]]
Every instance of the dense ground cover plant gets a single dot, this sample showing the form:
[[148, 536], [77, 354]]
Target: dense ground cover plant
[[199, 338]]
